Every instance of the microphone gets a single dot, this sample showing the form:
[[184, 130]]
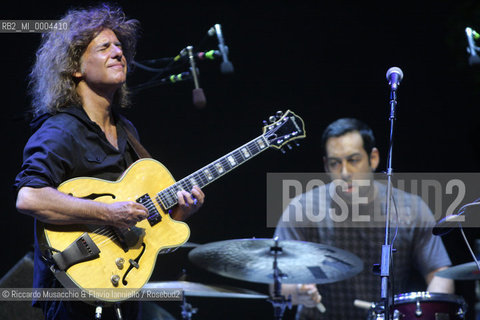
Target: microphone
[[199, 99], [472, 35], [394, 76], [209, 55], [226, 66], [174, 78], [474, 59]]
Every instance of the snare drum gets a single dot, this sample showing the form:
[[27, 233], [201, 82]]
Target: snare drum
[[425, 306]]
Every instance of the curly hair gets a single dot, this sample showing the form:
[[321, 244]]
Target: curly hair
[[51, 82]]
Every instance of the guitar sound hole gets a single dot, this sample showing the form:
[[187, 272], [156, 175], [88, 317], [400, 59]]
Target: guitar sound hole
[[94, 196], [137, 259]]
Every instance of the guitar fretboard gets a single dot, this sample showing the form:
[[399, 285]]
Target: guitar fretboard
[[211, 172]]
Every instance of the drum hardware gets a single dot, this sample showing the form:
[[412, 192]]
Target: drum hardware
[[418, 309], [378, 312], [187, 309], [116, 309], [98, 312], [477, 283], [422, 306], [278, 301], [447, 224], [256, 260], [466, 271]]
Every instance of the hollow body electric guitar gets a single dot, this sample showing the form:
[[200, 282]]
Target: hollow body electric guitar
[[92, 256]]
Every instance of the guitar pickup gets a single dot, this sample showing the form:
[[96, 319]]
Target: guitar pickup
[[82, 249], [154, 216]]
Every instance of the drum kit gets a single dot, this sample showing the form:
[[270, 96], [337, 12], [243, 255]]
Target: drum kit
[[429, 305], [270, 261], [423, 305]]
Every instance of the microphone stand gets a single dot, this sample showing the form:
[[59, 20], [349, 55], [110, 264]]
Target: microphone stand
[[386, 262]]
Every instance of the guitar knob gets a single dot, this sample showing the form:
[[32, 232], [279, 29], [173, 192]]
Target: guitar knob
[[115, 279], [272, 119], [120, 262]]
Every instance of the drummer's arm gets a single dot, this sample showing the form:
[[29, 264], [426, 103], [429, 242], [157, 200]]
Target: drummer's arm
[[439, 284], [306, 294]]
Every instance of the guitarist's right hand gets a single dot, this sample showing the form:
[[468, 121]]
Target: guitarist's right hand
[[52, 206], [126, 214]]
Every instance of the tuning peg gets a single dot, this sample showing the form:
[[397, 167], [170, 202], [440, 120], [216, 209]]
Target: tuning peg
[[289, 146], [296, 143], [282, 150], [272, 119], [265, 123], [279, 114]]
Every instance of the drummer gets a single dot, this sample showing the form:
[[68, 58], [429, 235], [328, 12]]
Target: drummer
[[349, 154]]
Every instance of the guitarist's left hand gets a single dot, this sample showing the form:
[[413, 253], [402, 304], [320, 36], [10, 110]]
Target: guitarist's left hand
[[188, 203]]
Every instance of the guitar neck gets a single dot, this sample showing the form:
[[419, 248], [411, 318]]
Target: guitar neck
[[211, 172]]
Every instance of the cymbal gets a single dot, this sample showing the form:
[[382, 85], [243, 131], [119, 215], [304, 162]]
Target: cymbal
[[299, 262], [193, 289], [466, 271]]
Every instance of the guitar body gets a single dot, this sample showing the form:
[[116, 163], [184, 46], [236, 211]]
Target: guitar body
[[145, 176]]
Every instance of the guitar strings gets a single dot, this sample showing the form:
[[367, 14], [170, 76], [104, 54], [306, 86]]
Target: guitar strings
[[103, 232], [168, 194]]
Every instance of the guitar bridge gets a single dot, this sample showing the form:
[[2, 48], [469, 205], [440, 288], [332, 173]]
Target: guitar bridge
[[82, 249]]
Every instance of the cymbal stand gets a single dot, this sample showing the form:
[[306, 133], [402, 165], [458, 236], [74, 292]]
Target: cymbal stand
[[278, 300], [187, 309], [118, 311], [477, 283], [98, 312]]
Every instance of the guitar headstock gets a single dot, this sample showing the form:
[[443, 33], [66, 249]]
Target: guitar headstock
[[284, 128]]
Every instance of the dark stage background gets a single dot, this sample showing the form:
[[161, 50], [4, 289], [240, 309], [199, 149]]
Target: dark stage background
[[324, 60]]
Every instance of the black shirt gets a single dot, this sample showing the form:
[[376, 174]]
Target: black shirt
[[68, 145]]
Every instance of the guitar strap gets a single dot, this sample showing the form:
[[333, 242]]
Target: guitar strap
[[135, 144]]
